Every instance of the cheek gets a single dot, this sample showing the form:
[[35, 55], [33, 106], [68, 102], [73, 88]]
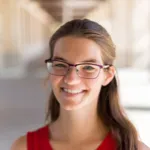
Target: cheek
[[55, 81], [95, 85]]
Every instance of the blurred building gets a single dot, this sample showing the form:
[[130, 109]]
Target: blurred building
[[26, 26]]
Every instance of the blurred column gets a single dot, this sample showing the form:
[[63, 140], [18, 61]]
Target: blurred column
[[0, 34], [122, 30], [7, 46], [6, 23], [67, 13], [149, 38]]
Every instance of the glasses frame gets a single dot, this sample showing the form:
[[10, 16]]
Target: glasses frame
[[75, 65]]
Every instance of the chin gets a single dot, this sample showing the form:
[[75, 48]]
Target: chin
[[72, 106]]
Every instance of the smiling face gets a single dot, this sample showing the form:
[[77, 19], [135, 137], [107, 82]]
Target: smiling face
[[77, 50]]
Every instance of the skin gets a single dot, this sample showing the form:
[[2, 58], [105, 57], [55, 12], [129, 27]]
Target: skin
[[77, 114]]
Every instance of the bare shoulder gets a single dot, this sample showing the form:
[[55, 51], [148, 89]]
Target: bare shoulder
[[20, 144], [142, 146]]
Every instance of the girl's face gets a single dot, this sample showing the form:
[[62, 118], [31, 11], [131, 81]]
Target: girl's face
[[77, 50]]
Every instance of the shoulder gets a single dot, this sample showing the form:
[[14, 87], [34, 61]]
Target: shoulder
[[20, 143], [142, 146], [27, 140]]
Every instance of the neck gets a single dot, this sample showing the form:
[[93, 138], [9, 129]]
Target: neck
[[80, 125]]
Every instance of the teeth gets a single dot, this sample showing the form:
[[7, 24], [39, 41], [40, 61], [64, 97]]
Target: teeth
[[72, 91]]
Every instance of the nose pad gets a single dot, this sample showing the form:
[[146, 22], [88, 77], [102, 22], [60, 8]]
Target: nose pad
[[72, 76], [77, 70], [71, 69]]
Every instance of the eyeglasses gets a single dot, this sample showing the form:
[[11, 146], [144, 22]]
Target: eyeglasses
[[84, 70]]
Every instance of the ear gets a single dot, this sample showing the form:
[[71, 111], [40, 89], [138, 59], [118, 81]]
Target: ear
[[109, 75]]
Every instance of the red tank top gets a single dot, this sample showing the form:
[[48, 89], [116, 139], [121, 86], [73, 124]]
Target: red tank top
[[39, 140]]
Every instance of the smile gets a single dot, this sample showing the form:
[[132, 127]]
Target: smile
[[72, 92]]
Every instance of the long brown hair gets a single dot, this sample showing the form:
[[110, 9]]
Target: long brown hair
[[108, 109]]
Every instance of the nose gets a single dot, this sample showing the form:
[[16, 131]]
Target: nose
[[72, 77]]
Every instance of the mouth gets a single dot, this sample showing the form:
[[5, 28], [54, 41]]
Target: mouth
[[72, 92]]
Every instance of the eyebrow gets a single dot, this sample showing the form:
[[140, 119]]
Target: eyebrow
[[88, 60]]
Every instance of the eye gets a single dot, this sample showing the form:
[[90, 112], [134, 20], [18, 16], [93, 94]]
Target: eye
[[88, 68], [59, 65]]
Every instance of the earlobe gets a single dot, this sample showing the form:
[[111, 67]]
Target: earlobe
[[106, 81], [109, 75]]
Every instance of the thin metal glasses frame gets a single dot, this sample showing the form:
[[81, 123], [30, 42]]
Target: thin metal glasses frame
[[74, 65]]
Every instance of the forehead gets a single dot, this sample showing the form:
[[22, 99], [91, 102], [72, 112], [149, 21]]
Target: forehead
[[77, 49]]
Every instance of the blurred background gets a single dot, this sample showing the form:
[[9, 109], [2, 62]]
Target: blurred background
[[25, 29]]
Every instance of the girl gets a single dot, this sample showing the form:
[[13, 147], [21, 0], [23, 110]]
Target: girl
[[84, 111]]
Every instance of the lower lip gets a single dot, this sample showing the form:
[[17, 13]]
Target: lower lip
[[72, 94]]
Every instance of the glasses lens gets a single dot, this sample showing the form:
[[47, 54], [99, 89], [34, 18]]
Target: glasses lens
[[57, 67], [88, 71]]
